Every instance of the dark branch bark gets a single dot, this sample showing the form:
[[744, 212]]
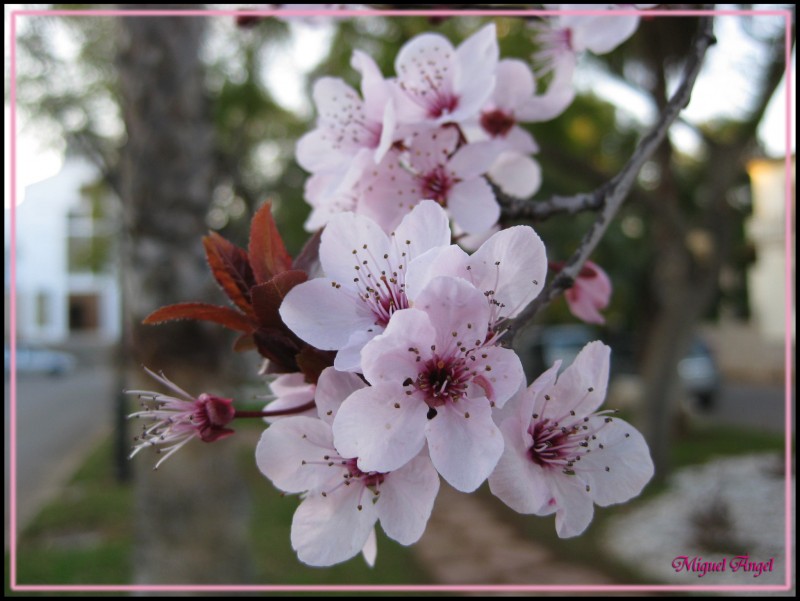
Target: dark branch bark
[[614, 193]]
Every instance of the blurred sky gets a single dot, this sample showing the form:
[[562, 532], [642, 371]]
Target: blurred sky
[[729, 68]]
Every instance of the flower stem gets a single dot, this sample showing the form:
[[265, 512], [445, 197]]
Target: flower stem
[[278, 412]]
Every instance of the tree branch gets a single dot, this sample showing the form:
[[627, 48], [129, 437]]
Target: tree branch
[[611, 195]]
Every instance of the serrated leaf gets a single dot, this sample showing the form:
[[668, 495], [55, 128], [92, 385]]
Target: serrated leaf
[[231, 268], [267, 297], [268, 255], [224, 316]]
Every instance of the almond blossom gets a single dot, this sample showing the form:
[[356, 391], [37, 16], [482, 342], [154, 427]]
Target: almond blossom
[[434, 166], [179, 420], [563, 456], [364, 284], [435, 373], [342, 503], [438, 84]]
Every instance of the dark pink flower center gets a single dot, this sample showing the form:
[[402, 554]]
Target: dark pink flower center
[[211, 415], [443, 103], [497, 123], [436, 185], [443, 379]]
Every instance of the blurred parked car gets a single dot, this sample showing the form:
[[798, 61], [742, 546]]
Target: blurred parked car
[[40, 361], [698, 371]]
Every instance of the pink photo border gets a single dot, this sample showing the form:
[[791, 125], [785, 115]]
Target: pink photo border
[[14, 586]]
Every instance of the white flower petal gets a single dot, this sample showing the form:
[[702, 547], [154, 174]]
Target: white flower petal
[[513, 264], [322, 315], [515, 84], [406, 500], [345, 234], [458, 311], [424, 228], [333, 387], [464, 442], [331, 529], [473, 205], [382, 426], [516, 174], [582, 386], [574, 505], [517, 481], [474, 160], [626, 455], [287, 444]]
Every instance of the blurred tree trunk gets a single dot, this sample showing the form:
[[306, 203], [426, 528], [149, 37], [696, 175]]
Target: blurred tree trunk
[[192, 513], [691, 250]]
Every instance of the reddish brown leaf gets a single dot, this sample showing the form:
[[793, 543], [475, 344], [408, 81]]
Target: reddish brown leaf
[[279, 346], [244, 343], [231, 269], [312, 362], [223, 316], [267, 297], [268, 256], [308, 259]]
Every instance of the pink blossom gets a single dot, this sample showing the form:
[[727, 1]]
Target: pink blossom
[[348, 126], [563, 456], [434, 167], [364, 284], [563, 37], [509, 269], [590, 294], [341, 503], [435, 374], [438, 84], [179, 420]]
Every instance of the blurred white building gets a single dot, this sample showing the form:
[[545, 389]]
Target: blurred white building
[[66, 277], [767, 231]]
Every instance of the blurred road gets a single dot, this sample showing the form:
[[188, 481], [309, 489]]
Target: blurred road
[[756, 406], [59, 420]]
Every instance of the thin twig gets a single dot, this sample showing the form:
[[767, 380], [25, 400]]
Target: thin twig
[[614, 193]]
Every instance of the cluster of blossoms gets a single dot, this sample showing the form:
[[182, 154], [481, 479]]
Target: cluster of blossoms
[[389, 342]]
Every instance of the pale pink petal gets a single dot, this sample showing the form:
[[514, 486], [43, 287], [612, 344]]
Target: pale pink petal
[[626, 455], [290, 453], [323, 315], [574, 505], [603, 34], [517, 481], [473, 205], [457, 310], [370, 550], [387, 357], [499, 373], [444, 260], [290, 384], [424, 76], [382, 426], [342, 250], [516, 174], [374, 88], [559, 95], [474, 160], [388, 130], [515, 84], [333, 387], [430, 148], [582, 386], [349, 356], [513, 264], [406, 500], [589, 295], [289, 401], [464, 442], [520, 140], [583, 306], [332, 529], [315, 153], [474, 79], [424, 228]]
